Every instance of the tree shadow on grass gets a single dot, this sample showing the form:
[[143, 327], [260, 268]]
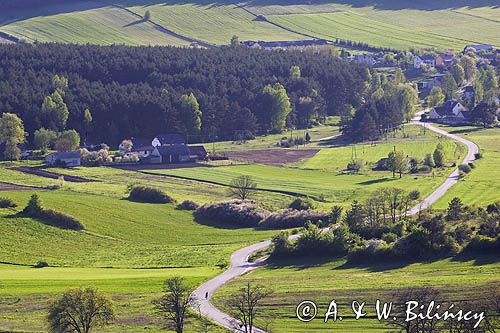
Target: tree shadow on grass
[[134, 23], [479, 259], [300, 263], [376, 181], [466, 131]]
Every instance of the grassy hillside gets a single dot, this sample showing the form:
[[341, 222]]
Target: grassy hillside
[[481, 186], [323, 282], [403, 25]]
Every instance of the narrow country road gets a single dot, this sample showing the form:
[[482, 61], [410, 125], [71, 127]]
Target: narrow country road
[[239, 259]]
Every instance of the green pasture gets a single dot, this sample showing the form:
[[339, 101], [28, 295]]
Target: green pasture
[[323, 281], [482, 186], [25, 293], [102, 25], [401, 25]]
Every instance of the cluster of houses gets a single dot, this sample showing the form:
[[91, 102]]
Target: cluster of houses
[[285, 44], [163, 149]]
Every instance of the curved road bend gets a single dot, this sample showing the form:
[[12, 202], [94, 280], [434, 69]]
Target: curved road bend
[[239, 264]]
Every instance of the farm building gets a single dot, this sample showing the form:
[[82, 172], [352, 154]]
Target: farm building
[[170, 154], [197, 153], [68, 159], [168, 140], [143, 151], [480, 47]]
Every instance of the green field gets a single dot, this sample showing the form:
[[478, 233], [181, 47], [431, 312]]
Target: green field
[[323, 177], [128, 248], [482, 185], [403, 25], [321, 282]]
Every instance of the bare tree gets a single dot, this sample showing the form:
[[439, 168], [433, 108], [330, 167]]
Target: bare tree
[[242, 187], [173, 304], [80, 310], [489, 304], [244, 305], [422, 295]]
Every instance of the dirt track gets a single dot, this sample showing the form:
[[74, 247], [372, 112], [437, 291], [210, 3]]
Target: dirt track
[[13, 187], [50, 174]]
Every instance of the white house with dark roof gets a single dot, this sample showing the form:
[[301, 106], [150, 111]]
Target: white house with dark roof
[[170, 154], [450, 112], [420, 61]]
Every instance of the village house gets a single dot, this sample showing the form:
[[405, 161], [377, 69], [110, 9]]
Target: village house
[[451, 112], [168, 140], [469, 95], [444, 60], [170, 154], [65, 159], [425, 60], [364, 59]]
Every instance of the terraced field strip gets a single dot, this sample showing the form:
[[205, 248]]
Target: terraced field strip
[[352, 26], [102, 25], [211, 23]]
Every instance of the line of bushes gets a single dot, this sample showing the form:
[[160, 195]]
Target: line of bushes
[[461, 230], [247, 213], [51, 217], [149, 195]]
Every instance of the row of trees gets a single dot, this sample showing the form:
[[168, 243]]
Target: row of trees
[[85, 310], [107, 93]]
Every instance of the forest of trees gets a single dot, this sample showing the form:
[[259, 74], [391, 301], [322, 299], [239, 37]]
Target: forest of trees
[[108, 93]]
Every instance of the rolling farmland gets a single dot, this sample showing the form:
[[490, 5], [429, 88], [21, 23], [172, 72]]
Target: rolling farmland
[[444, 26]]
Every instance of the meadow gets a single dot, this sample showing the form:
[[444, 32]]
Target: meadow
[[128, 249], [402, 26], [332, 279], [323, 177], [482, 185]]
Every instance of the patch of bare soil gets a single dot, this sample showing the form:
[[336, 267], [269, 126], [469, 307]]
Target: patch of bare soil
[[50, 174], [13, 187], [275, 157]]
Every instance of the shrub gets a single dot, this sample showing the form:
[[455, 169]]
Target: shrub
[[240, 212], [429, 160], [355, 165], [290, 218], [7, 203], [483, 244], [376, 250], [425, 169], [149, 194], [60, 220], [302, 204], [188, 205], [464, 168], [41, 264], [34, 206], [389, 237], [478, 156]]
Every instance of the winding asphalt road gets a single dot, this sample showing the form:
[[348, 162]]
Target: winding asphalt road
[[239, 259]]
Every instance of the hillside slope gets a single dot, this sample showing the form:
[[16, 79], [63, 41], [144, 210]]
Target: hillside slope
[[449, 24]]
